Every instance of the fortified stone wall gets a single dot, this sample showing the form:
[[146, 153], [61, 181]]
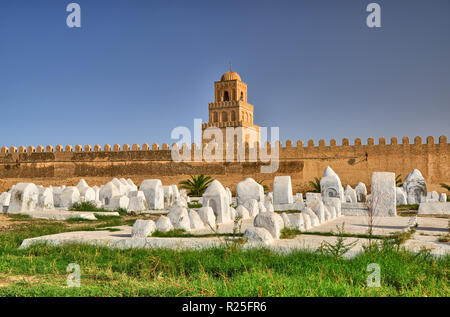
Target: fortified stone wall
[[353, 163]]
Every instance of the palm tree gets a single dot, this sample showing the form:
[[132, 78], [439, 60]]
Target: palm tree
[[398, 180], [447, 187], [196, 185], [315, 185]]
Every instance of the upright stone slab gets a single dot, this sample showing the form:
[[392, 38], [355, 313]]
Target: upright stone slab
[[269, 207], [5, 199], [270, 221], [195, 220], [163, 224], [168, 196], [330, 185], [137, 204], [268, 198], [249, 189], [136, 193], [57, 192], [45, 200], [87, 193], [242, 212], [118, 202], [176, 192], [298, 197], [123, 188], [24, 197], [229, 195], [351, 193], [432, 197], [361, 192], [216, 197], [400, 196], [131, 184], [434, 208], [154, 193], [179, 217], [208, 217], [415, 187], [310, 197], [108, 191], [97, 192], [383, 194], [318, 208], [282, 190], [334, 202], [252, 207], [69, 197], [82, 183], [142, 228]]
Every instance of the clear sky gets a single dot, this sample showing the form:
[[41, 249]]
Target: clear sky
[[137, 69]]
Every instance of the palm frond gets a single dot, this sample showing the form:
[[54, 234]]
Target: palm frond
[[315, 185], [196, 185]]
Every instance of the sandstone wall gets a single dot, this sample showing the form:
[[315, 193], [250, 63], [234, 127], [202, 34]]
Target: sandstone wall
[[353, 163]]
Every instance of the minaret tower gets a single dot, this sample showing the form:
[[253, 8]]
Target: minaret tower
[[230, 107]]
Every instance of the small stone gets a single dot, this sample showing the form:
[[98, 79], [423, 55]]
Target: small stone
[[207, 215], [252, 206], [137, 204], [271, 221], [269, 207], [258, 235], [242, 212], [179, 217], [195, 220], [163, 224], [142, 228]]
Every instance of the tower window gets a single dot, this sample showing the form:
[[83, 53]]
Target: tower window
[[226, 96], [242, 96]]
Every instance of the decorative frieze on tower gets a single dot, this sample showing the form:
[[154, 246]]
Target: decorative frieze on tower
[[230, 108]]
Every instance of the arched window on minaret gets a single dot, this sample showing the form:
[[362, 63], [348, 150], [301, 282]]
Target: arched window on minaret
[[242, 96], [216, 117], [226, 96], [224, 117], [233, 116]]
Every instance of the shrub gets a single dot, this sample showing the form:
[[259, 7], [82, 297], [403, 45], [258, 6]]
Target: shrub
[[196, 185]]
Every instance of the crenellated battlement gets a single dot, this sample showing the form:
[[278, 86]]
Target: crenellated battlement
[[353, 161], [442, 140]]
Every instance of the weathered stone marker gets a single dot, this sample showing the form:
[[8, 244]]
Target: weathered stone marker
[[383, 199]]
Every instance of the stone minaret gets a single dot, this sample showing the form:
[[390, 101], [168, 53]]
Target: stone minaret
[[230, 108]]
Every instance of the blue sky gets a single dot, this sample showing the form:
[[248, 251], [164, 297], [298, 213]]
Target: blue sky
[[137, 69]]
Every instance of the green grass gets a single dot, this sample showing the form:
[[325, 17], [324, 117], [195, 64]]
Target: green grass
[[408, 207], [287, 233], [289, 211], [89, 206], [194, 204], [210, 272], [19, 217]]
